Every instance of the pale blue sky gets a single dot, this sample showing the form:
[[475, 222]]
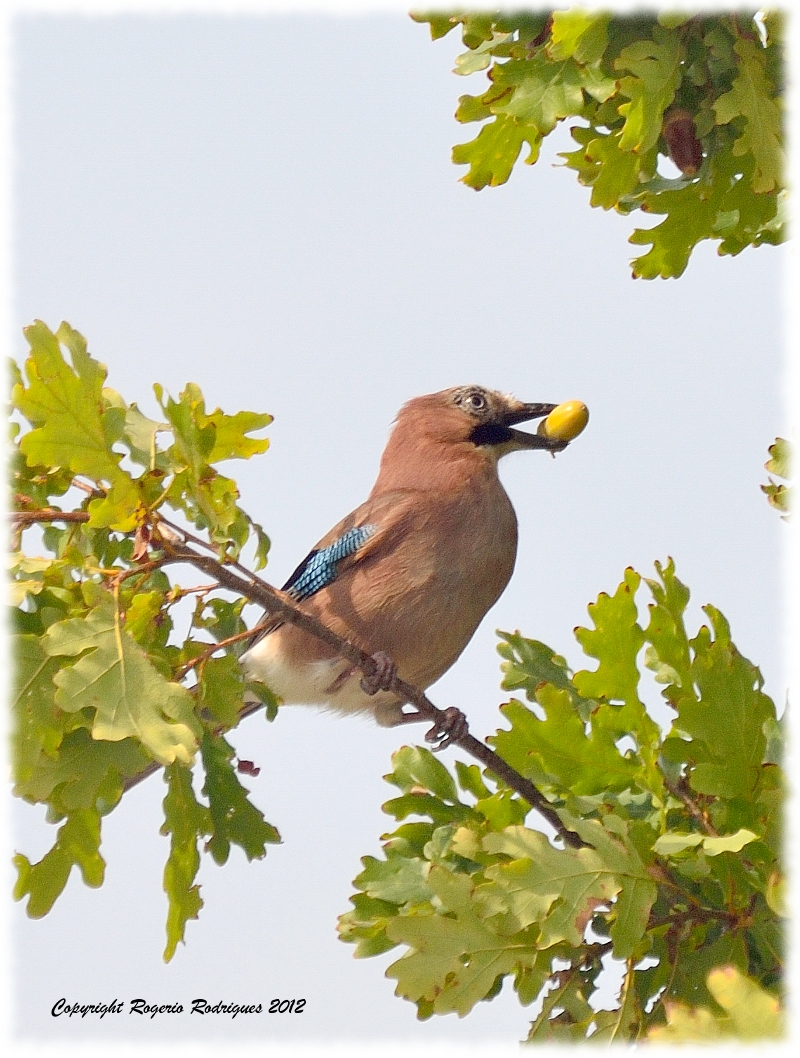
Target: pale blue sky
[[266, 206]]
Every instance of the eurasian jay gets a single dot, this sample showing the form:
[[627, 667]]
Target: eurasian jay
[[410, 574]]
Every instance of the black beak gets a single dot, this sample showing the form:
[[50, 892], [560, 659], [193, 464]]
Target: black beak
[[519, 412], [518, 440]]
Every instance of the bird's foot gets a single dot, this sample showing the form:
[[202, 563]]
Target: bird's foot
[[450, 728], [383, 676]]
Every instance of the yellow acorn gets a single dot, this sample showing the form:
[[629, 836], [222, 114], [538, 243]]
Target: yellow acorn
[[565, 422]]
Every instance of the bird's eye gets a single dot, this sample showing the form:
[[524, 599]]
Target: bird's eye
[[476, 401]]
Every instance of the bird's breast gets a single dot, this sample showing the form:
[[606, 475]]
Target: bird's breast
[[418, 596], [421, 600]]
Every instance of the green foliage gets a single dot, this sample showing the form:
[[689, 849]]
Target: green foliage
[[703, 90], [748, 1013], [682, 828], [102, 690], [779, 464], [680, 878]]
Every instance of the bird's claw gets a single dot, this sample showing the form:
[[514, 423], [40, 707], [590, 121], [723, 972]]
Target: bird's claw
[[383, 676], [451, 728]]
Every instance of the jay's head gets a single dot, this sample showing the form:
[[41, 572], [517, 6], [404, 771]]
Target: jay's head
[[472, 416]]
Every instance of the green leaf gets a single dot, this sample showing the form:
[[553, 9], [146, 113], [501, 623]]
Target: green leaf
[[265, 696], [140, 437], [728, 717], [612, 173], [466, 893], [207, 498], [36, 728], [751, 1013], [544, 92], [615, 642], [669, 656], [72, 426], [755, 1014], [752, 98], [114, 678], [469, 779], [631, 915], [231, 440], [454, 959], [235, 820], [559, 64], [729, 842], [529, 663], [693, 212], [479, 58], [396, 880], [669, 844], [472, 108], [221, 689], [77, 844], [780, 461], [146, 619], [579, 34], [440, 24], [82, 774], [492, 154], [502, 809], [414, 766], [565, 1016], [778, 496], [655, 65], [365, 926], [186, 821], [561, 888], [559, 750]]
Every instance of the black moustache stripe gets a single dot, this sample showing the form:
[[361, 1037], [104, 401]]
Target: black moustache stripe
[[490, 433]]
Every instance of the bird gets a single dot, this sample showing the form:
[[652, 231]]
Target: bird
[[408, 576]]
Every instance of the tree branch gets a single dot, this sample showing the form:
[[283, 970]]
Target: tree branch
[[26, 518], [680, 790], [280, 604], [174, 543]]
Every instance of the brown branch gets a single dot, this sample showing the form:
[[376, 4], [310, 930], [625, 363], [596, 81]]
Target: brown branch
[[277, 603], [240, 580], [93, 490], [693, 914], [46, 514], [680, 790], [144, 569]]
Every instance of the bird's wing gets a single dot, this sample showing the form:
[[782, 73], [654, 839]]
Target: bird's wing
[[367, 529], [319, 568], [370, 527]]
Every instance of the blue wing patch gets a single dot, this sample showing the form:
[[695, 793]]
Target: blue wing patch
[[318, 569]]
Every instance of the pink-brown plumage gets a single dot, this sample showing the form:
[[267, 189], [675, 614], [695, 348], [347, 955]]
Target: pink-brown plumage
[[442, 552]]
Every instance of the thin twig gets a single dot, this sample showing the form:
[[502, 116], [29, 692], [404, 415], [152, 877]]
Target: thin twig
[[693, 914], [681, 792], [144, 569], [93, 490], [212, 649]]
